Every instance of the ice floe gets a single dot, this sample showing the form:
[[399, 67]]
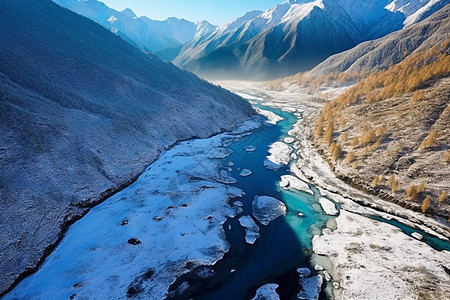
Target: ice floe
[[417, 236], [250, 148], [293, 182], [280, 156], [272, 118], [251, 229], [311, 287], [245, 173], [328, 207], [267, 209], [267, 292], [289, 140]]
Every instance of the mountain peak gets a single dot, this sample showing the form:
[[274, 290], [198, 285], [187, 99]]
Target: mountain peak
[[128, 12]]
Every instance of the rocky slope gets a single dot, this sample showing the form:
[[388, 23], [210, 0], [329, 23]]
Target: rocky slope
[[82, 113], [163, 38], [296, 35], [389, 134]]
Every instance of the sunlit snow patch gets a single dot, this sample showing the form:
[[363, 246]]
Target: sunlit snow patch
[[280, 156], [292, 182], [328, 207], [137, 243], [272, 118]]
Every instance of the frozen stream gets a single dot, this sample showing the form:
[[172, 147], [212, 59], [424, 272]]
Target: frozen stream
[[194, 225]]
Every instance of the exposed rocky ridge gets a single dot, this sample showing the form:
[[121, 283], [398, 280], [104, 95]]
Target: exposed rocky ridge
[[82, 113], [295, 36], [381, 53]]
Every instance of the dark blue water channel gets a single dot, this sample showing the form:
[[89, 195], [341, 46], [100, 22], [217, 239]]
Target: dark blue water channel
[[284, 244]]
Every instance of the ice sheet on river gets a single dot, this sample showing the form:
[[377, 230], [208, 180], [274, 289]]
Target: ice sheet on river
[[292, 182], [267, 209], [280, 156], [138, 241], [328, 207], [272, 118]]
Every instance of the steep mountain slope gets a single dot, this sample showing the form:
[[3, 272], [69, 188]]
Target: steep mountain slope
[[82, 113], [390, 134], [381, 53], [154, 36], [297, 35]]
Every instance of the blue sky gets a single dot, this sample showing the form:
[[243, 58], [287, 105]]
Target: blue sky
[[216, 12]]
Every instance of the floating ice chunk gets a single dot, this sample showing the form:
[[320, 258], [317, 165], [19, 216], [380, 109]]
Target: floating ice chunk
[[250, 148], [272, 118], [245, 173], [311, 287], [267, 292], [328, 207], [280, 155], [251, 229], [297, 184], [303, 272], [417, 235], [289, 140], [318, 268], [267, 209], [327, 276], [284, 182]]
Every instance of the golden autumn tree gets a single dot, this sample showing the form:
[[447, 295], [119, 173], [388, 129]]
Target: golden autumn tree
[[426, 204]]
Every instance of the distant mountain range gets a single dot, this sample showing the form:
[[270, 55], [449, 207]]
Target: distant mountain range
[[163, 38], [291, 37], [83, 113], [297, 35], [391, 49]]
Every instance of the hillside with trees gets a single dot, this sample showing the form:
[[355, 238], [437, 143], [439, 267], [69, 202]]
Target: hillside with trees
[[390, 133]]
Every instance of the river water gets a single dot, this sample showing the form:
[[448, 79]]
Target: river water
[[283, 246]]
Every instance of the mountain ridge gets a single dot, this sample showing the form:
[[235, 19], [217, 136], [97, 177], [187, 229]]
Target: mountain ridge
[[295, 36], [83, 113], [142, 32]]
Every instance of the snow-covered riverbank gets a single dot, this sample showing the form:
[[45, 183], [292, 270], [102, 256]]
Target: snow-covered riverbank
[[138, 242], [370, 259]]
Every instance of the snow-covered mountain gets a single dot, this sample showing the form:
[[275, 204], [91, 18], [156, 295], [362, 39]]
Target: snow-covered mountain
[[297, 35], [150, 35], [379, 54], [83, 113]]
